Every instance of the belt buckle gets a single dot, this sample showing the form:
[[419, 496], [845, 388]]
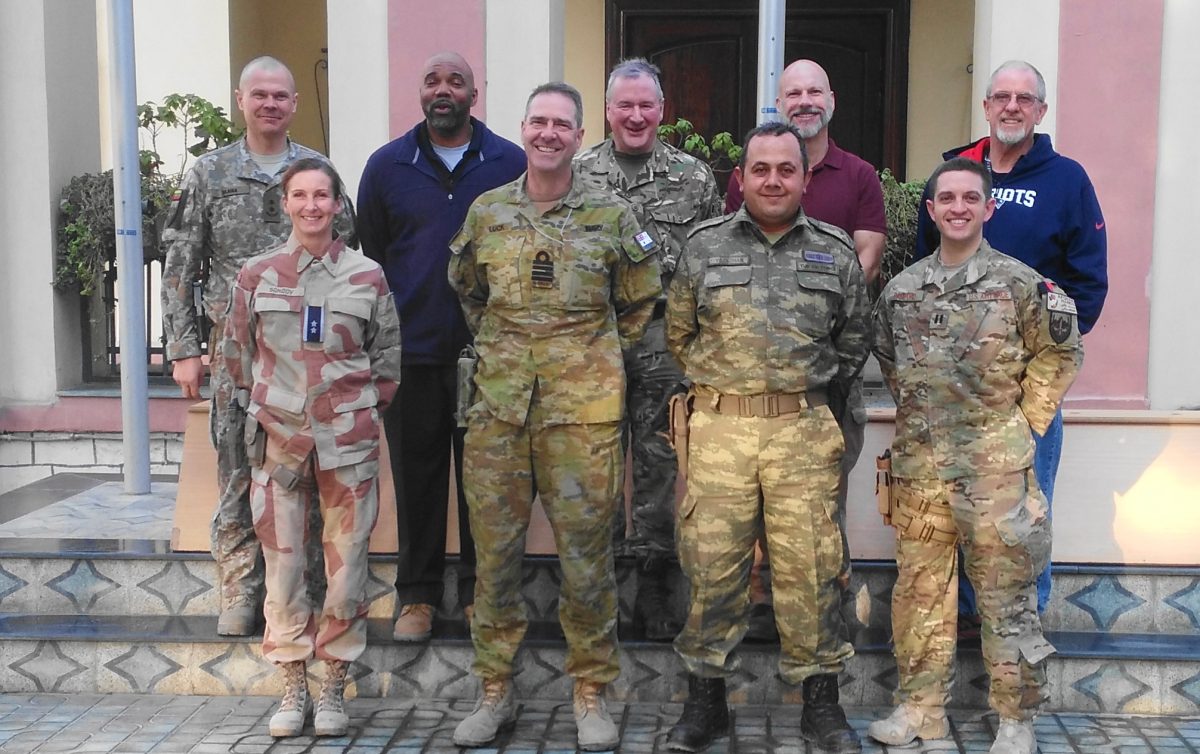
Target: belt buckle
[[770, 403]]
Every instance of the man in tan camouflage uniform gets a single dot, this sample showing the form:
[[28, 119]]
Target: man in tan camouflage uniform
[[313, 337], [670, 191], [767, 311], [555, 278], [977, 350], [226, 211]]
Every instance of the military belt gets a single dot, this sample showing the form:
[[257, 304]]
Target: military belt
[[764, 405]]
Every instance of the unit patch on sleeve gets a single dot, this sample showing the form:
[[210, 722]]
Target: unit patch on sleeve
[[645, 240]]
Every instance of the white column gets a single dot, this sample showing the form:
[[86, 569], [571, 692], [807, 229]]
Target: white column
[[358, 84], [1014, 29], [48, 93], [524, 49], [1174, 327]]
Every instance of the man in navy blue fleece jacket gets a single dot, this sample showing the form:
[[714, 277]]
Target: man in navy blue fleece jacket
[[414, 195], [1047, 216]]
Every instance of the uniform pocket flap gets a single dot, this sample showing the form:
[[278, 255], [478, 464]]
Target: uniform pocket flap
[[674, 213], [356, 307], [1035, 648], [819, 280], [274, 303], [271, 396], [351, 400], [718, 277]]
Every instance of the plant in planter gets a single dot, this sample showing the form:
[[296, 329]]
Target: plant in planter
[[902, 205], [721, 153], [86, 237]]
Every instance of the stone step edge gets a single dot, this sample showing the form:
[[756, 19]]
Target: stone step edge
[[202, 629]]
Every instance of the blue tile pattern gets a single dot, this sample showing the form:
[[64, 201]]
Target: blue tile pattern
[[176, 586], [1187, 601], [48, 667], [83, 584], [1189, 689], [142, 667], [1111, 687], [1105, 600], [10, 583], [239, 668]]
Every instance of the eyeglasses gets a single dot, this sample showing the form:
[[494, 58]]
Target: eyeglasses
[[1024, 99]]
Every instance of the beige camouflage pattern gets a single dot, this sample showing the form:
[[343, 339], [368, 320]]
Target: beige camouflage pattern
[[975, 358], [593, 295], [975, 353], [746, 316], [348, 498], [1004, 556], [575, 470], [670, 194], [782, 471], [551, 299], [226, 211], [319, 404]]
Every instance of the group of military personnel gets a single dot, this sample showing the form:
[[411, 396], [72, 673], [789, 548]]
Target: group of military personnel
[[612, 308]]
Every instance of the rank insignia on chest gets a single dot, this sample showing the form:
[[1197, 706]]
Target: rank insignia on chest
[[271, 211], [824, 257], [543, 271], [314, 324], [939, 321], [645, 240]]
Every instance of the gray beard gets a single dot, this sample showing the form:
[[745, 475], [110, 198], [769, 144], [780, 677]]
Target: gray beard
[[1011, 137]]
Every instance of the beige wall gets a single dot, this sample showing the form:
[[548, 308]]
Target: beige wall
[[583, 67], [293, 31], [939, 81], [358, 84]]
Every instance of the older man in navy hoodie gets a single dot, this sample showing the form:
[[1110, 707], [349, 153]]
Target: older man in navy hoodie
[[1047, 216], [413, 197]]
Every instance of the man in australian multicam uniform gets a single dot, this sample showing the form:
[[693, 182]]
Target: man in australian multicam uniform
[[767, 311], [671, 191], [555, 279], [226, 211], [977, 349]]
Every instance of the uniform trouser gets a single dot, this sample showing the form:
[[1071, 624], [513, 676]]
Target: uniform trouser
[[421, 434], [576, 469], [1005, 536], [349, 502], [652, 378], [235, 546], [1047, 452], [780, 473]]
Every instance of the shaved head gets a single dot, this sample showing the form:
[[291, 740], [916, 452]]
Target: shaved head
[[805, 97], [808, 68], [447, 92], [265, 64], [452, 60]]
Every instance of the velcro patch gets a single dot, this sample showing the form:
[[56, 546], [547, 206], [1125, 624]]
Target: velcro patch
[[278, 290], [645, 240], [823, 257], [906, 296], [732, 259], [990, 296], [593, 228], [495, 228], [1059, 302]]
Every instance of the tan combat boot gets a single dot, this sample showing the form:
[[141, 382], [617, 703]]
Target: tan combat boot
[[595, 727], [331, 718], [495, 711], [1014, 737], [289, 719], [907, 723], [238, 617], [414, 624]]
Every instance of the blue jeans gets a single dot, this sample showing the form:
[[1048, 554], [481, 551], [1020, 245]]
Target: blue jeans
[[1046, 454]]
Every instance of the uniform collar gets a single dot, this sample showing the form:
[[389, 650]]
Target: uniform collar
[[743, 217], [304, 259], [248, 168], [573, 198], [606, 164], [835, 157], [974, 269]]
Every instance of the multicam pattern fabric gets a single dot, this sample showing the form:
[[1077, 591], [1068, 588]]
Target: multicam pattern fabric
[[227, 211], [782, 472], [672, 192], [973, 364], [745, 316], [552, 299], [315, 391], [1003, 560]]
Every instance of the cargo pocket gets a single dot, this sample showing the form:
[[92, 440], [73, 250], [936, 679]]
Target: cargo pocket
[[1034, 647], [1027, 523]]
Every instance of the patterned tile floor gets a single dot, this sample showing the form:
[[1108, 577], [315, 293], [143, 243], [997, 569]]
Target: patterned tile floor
[[39, 724]]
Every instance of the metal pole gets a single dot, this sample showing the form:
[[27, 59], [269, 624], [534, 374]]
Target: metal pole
[[771, 15], [135, 406]]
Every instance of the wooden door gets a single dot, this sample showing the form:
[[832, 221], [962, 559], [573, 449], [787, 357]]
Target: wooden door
[[708, 53]]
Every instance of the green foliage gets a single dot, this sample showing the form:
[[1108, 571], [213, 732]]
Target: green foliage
[[901, 203], [722, 153], [86, 238]]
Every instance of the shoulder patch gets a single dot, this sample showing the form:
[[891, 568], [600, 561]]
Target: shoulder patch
[[645, 240], [1060, 302], [823, 257]]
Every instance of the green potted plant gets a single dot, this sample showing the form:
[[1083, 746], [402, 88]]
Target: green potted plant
[[902, 205], [721, 153]]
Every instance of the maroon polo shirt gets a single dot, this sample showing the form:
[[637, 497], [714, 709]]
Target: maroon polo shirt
[[844, 191]]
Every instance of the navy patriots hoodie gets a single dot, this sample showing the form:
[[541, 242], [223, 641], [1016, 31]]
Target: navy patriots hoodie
[[1047, 216]]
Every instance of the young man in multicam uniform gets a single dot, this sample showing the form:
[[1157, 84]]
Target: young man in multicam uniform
[[767, 313], [555, 279], [977, 350], [671, 191], [312, 336], [226, 211]]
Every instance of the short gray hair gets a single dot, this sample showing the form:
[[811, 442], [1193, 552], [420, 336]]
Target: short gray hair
[[565, 89], [265, 63], [1018, 65], [634, 68]]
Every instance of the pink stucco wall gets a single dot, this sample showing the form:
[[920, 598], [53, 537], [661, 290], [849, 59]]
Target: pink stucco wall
[[417, 30], [1108, 89]]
